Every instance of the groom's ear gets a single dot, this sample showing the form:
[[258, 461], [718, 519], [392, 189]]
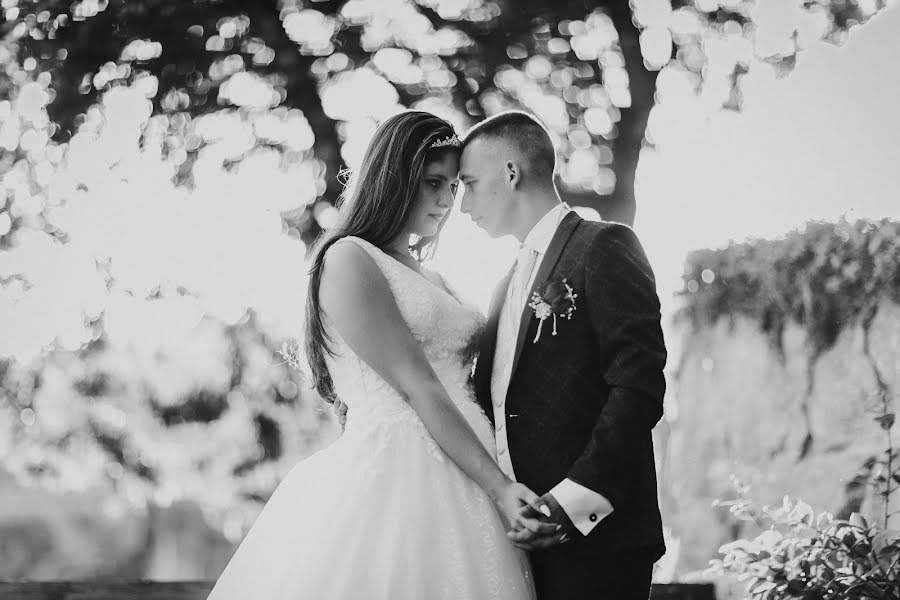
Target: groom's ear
[[513, 173]]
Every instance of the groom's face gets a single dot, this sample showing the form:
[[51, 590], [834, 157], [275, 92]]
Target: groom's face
[[487, 196]]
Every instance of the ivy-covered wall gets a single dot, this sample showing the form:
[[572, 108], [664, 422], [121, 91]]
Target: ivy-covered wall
[[826, 277], [786, 349]]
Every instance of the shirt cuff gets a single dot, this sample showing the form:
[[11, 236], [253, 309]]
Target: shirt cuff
[[584, 507]]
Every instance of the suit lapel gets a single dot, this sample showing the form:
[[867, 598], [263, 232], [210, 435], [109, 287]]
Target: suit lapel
[[548, 263]]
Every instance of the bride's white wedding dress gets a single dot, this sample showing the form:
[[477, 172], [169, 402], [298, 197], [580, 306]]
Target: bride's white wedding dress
[[383, 513]]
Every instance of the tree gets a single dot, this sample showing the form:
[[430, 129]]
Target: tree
[[568, 48]]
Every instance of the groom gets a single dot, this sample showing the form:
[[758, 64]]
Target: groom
[[570, 368]]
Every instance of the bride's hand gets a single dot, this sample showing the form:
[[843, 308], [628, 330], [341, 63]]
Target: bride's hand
[[510, 501]]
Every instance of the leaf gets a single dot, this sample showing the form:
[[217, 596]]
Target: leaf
[[804, 513], [857, 520], [768, 539], [884, 540], [886, 420], [824, 518]]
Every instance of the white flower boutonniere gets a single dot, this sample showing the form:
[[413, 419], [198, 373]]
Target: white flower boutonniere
[[554, 299]]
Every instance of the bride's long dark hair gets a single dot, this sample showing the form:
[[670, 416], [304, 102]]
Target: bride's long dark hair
[[375, 205]]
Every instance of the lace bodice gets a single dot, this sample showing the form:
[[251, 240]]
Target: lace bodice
[[444, 326]]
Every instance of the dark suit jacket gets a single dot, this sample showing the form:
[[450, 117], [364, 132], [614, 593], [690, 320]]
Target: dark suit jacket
[[581, 404]]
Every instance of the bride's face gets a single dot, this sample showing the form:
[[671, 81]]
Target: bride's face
[[434, 198]]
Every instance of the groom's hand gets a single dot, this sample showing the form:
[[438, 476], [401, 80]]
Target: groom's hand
[[556, 529]]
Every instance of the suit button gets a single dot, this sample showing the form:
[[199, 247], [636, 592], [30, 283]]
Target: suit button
[[593, 518]]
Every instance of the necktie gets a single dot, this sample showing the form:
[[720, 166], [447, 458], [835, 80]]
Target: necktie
[[508, 328], [507, 333]]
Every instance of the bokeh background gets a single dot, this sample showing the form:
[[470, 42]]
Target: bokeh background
[[165, 166]]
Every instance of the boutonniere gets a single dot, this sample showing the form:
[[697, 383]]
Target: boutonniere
[[554, 299]]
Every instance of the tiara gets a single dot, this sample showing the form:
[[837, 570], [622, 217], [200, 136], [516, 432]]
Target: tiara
[[450, 140]]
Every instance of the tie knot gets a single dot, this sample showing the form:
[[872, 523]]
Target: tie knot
[[525, 253], [525, 260]]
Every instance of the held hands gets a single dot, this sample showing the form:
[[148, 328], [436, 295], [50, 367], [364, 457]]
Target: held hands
[[533, 530], [514, 501], [535, 522]]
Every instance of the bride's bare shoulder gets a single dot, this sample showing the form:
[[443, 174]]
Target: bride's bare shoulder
[[348, 270]]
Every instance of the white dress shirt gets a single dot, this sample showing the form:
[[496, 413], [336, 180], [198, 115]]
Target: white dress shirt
[[584, 507]]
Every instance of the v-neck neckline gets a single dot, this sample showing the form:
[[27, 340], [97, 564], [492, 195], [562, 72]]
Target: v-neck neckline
[[424, 278]]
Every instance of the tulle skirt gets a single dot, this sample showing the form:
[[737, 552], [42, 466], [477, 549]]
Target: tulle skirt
[[382, 513]]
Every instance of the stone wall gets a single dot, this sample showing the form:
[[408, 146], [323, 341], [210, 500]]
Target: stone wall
[[774, 418]]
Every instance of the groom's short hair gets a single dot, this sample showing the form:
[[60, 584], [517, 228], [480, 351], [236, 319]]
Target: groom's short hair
[[525, 133]]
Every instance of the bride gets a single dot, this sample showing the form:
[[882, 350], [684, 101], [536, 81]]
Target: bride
[[409, 503]]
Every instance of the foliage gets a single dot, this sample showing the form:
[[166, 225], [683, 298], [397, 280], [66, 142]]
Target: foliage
[[804, 555], [218, 423], [825, 277], [588, 68], [808, 556]]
